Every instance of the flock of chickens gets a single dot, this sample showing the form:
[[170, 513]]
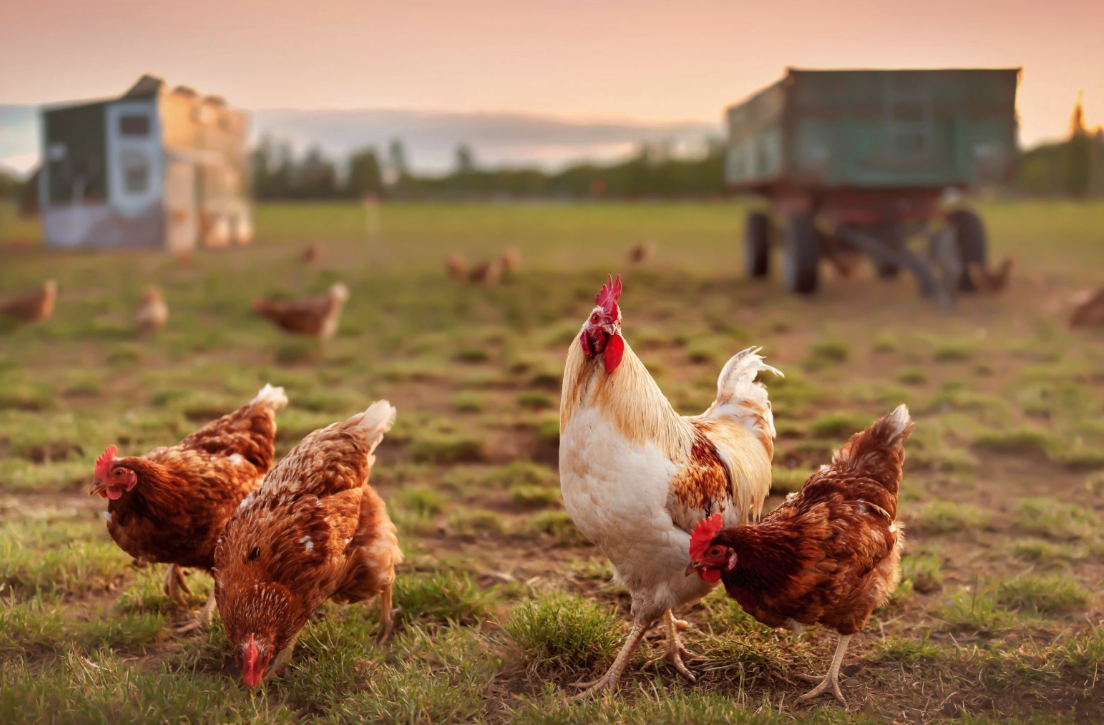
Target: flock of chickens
[[674, 502]]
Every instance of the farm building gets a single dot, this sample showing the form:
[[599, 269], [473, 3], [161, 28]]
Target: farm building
[[156, 168]]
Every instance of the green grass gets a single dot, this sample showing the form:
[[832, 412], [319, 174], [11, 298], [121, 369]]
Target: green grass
[[560, 632], [503, 602]]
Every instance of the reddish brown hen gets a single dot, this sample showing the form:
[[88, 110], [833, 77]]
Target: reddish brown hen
[[35, 306], [314, 530], [829, 555], [316, 317], [171, 504], [152, 312]]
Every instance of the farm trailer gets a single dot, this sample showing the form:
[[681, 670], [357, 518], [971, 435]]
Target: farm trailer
[[857, 162]]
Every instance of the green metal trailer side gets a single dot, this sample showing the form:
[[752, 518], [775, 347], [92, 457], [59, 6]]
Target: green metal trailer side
[[875, 129]]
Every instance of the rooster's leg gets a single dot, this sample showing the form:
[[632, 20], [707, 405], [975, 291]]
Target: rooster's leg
[[832, 678], [609, 680], [675, 651], [174, 583], [386, 614]]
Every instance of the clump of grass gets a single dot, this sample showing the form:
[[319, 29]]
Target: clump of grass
[[1050, 594], [977, 610], [476, 522], [1055, 519], [547, 426], [561, 632], [1083, 654], [558, 525], [952, 351], [1043, 552], [441, 597], [471, 355], [839, 425], [788, 480], [420, 502], [26, 396], [884, 342], [912, 376], [443, 447], [525, 494], [536, 400], [468, 402], [908, 652], [1018, 439], [523, 473], [827, 353], [296, 352], [925, 571], [943, 517], [1095, 484]]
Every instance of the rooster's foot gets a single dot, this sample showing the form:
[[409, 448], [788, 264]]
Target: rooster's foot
[[175, 583]]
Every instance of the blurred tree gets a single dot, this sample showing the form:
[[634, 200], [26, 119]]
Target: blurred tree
[[9, 186], [365, 175], [465, 159], [396, 154], [1078, 162], [316, 177]]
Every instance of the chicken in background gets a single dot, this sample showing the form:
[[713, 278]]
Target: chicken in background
[[312, 253], [34, 306], [171, 504], [314, 530], [510, 261], [152, 312], [456, 267], [1088, 310], [315, 317], [991, 280], [637, 477], [641, 254], [487, 273], [829, 555]]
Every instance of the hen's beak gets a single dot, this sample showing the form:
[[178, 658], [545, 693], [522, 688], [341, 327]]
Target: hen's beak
[[692, 567], [99, 487]]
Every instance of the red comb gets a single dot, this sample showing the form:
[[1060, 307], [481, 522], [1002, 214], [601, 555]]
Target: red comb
[[608, 296], [703, 535], [103, 463]]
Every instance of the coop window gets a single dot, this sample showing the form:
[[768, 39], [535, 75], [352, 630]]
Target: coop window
[[134, 125], [136, 173]]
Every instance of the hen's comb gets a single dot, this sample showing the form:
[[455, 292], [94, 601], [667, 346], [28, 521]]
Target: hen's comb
[[608, 296], [703, 536], [103, 463]]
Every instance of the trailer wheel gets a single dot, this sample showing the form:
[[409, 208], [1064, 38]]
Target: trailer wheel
[[891, 236], [972, 244], [757, 245], [800, 254]]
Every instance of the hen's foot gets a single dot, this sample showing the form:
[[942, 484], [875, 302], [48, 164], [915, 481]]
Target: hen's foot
[[175, 583]]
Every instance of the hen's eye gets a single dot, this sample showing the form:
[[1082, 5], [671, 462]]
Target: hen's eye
[[118, 472]]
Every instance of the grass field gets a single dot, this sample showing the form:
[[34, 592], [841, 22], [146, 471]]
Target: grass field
[[1000, 619]]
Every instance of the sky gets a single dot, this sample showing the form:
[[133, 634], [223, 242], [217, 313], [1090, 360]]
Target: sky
[[643, 60]]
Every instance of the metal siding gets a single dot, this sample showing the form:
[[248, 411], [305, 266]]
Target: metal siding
[[880, 129]]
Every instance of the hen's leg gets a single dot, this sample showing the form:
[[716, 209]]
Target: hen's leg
[[609, 680], [832, 678], [675, 651], [174, 583], [202, 620], [387, 622]]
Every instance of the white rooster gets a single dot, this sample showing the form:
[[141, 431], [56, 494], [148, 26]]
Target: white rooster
[[637, 477]]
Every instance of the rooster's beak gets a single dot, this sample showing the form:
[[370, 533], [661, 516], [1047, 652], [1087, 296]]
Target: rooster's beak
[[610, 330], [692, 567], [98, 487]]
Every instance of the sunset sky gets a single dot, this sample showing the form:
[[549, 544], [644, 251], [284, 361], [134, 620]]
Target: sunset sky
[[605, 59]]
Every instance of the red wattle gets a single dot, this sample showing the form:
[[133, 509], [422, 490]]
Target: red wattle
[[615, 350], [710, 575]]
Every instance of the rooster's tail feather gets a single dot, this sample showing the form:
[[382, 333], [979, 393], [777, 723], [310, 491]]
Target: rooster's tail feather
[[741, 397]]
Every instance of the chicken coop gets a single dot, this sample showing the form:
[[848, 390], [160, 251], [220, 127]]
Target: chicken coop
[[156, 168], [853, 163]]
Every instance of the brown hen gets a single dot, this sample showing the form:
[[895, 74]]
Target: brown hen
[[829, 555], [35, 306], [171, 504], [314, 530], [315, 317]]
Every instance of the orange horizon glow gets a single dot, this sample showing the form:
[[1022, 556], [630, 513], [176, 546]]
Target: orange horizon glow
[[642, 60]]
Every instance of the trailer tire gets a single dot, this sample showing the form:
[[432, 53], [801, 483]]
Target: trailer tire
[[972, 243], [800, 254], [757, 236]]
